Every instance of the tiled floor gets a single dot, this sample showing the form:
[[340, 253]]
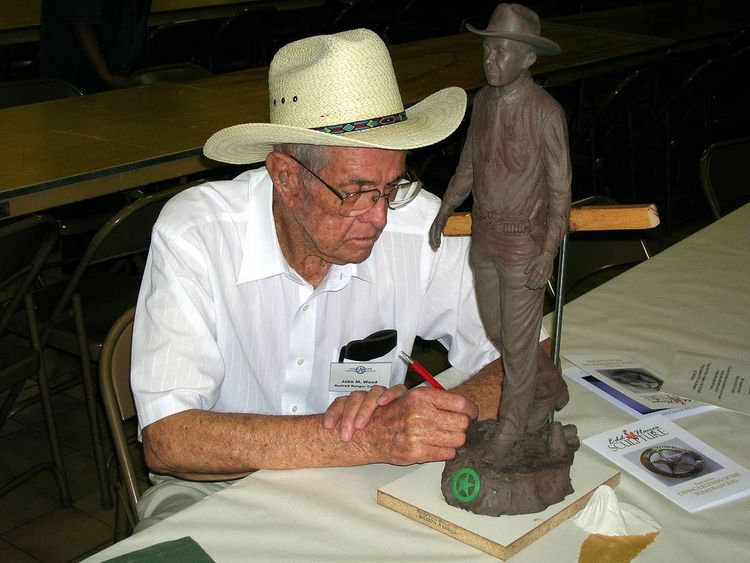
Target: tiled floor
[[33, 525]]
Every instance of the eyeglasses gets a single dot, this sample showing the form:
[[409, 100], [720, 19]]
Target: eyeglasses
[[397, 194]]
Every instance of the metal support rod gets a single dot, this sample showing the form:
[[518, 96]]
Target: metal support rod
[[562, 263]]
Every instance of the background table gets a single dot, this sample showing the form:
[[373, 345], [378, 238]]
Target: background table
[[77, 148], [692, 24], [19, 19], [692, 296]]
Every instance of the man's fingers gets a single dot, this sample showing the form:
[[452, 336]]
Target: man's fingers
[[447, 401], [333, 413], [351, 408], [392, 394]]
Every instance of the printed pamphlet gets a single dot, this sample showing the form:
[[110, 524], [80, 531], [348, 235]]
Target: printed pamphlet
[[673, 462], [719, 381], [629, 385]]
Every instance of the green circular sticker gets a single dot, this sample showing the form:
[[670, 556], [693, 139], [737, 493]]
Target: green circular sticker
[[465, 484]]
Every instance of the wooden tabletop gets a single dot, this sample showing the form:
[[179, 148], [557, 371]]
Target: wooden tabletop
[[690, 23], [76, 148], [457, 59], [19, 19]]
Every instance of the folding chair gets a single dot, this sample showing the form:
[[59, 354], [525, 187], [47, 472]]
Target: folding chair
[[176, 72], [724, 173], [76, 313], [114, 382], [21, 92], [25, 246]]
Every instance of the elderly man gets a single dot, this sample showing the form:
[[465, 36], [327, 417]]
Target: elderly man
[[253, 286], [515, 161]]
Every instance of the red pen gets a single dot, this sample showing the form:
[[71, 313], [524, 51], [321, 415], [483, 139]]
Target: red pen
[[419, 368]]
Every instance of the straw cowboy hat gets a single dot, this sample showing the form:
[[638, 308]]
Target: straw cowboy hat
[[519, 23], [338, 90]]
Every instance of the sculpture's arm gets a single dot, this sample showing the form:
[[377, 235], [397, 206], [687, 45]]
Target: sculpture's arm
[[556, 157], [457, 191], [460, 185]]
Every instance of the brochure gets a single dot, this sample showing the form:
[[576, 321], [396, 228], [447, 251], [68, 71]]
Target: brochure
[[629, 385], [673, 462], [720, 381]]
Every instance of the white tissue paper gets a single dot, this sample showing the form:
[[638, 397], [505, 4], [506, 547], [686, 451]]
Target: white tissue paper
[[605, 515]]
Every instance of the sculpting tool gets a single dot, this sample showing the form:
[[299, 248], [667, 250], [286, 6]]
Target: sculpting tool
[[419, 368]]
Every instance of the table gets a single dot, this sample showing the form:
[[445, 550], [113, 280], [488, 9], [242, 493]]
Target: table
[[76, 148], [691, 296], [19, 19], [692, 24]]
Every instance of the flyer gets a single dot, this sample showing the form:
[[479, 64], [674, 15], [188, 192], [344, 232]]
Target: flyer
[[673, 462], [719, 381], [629, 385]]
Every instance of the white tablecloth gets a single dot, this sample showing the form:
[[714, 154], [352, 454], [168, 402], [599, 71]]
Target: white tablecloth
[[693, 296]]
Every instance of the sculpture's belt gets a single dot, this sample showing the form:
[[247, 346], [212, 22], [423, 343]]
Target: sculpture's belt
[[496, 223]]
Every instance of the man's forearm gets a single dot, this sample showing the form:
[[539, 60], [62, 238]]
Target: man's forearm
[[484, 388], [226, 446], [423, 425]]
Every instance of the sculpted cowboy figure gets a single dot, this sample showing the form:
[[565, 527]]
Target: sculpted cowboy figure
[[516, 164]]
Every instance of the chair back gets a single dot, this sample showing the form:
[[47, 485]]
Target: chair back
[[687, 105], [590, 253], [127, 233], [248, 39], [114, 380], [633, 91], [183, 41], [177, 72], [20, 92], [25, 245], [724, 173]]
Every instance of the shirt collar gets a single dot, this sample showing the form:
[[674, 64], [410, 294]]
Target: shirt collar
[[517, 89], [262, 256]]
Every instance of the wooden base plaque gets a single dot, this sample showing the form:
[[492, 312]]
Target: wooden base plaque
[[418, 496]]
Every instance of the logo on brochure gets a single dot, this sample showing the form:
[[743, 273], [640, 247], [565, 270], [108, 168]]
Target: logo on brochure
[[637, 437]]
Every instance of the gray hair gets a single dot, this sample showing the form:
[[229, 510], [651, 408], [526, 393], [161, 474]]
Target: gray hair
[[315, 157]]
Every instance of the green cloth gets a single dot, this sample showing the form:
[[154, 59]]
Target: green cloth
[[183, 550]]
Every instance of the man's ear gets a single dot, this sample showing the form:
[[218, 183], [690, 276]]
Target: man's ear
[[285, 178], [530, 58]]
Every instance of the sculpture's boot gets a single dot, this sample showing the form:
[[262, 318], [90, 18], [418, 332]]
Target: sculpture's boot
[[498, 447], [551, 393], [557, 445]]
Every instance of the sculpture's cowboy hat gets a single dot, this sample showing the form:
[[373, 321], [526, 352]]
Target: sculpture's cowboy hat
[[338, 90], [519, 23]]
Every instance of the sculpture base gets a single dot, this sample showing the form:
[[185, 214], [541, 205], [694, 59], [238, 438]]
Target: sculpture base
[[535, 472]]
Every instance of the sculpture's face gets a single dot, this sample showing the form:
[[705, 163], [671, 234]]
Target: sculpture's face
[[505, 59]]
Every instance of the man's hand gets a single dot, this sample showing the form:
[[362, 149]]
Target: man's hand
[[539, 270], [424, 425], [437, 228], [354, 411]]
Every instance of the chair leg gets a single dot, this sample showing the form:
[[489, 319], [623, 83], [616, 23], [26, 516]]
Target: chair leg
[[49, 417], [92, 406]]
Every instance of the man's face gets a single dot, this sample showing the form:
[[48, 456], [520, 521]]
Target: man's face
[[505, 59], [339, 239]]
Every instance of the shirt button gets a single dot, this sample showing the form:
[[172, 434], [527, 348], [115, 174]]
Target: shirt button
[[294, 408], [300, 361], [305, 308]]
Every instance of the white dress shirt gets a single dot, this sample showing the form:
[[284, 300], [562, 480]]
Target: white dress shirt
[[223, 323]]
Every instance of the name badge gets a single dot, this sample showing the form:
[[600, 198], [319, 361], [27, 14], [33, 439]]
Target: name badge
[[352, 376]]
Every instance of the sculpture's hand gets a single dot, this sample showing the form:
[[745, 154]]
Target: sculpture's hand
[[353, 412], [424, 425], [436, 230], [539, 270]]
